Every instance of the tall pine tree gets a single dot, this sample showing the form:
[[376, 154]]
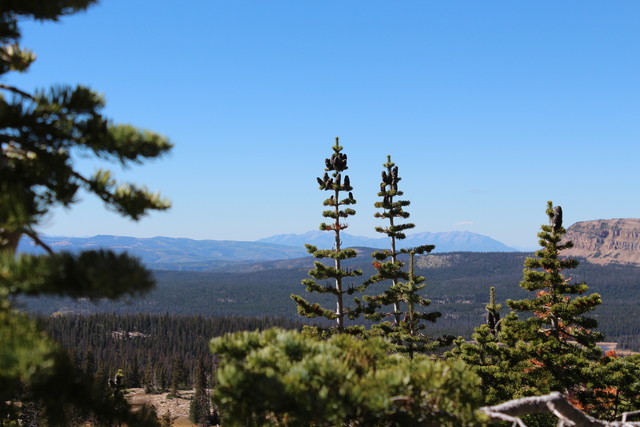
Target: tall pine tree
[[403, 294], [200, 406], [178, 376], [339, 210], [387, 264]]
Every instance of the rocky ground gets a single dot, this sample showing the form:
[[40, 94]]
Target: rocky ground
[[176, 406]]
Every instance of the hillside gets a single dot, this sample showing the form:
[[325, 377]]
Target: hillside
[[606, 241], [458, 286]]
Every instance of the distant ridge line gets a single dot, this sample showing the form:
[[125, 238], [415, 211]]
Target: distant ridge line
[[171, 253], [446, 241]]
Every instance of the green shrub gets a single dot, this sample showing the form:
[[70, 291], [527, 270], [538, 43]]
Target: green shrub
[[284, 378]]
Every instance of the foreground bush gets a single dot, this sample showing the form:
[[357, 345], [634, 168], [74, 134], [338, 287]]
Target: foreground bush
[[284, 378]]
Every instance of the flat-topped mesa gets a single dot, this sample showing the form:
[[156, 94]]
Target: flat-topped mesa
[[606, 241]]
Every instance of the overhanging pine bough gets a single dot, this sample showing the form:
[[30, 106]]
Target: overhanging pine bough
[[41, 136]]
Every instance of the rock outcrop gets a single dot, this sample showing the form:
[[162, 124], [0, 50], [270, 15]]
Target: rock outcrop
[[606, 241]]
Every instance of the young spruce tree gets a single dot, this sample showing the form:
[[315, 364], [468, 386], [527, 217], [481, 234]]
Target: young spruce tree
[[337, 185], [408, 335], [557, 340], [501, 375]]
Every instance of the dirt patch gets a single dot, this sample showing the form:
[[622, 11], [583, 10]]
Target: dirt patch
[[177, 406]]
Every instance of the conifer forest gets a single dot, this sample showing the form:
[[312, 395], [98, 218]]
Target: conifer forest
[[387, 337]]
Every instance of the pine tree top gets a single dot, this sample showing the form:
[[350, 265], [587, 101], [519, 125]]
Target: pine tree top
[[557, 316]]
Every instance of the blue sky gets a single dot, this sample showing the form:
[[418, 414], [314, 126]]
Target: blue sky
[[489, 108]]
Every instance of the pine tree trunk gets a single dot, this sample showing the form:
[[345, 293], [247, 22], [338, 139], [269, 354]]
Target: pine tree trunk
[[396, 305], [9, 240], [339, 302]]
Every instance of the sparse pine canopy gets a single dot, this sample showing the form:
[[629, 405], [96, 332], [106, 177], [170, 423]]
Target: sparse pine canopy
[[387, 264], [340, 199], [403, 294], [42, 134]]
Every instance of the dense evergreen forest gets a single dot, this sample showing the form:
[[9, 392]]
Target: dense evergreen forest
[[148, 348], [457, 284]]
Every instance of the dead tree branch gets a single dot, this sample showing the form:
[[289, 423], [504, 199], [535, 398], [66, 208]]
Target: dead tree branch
[[34, 236], [553, 403], [16, 90]]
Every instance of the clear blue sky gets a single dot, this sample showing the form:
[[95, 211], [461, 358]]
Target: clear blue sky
[[490, 108]]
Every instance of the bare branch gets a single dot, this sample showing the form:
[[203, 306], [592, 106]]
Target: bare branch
[[626, 414], [553, 403], [16, 90], [80, 177], [34, 236]]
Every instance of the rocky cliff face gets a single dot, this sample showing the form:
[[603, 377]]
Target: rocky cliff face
[[606, 241]]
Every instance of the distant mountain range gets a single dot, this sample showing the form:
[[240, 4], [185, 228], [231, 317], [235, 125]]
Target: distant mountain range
[[167, 253], [172, 253], [452, 241]]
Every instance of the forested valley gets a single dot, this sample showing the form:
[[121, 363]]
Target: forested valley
[[457, 284], [148, 348]]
